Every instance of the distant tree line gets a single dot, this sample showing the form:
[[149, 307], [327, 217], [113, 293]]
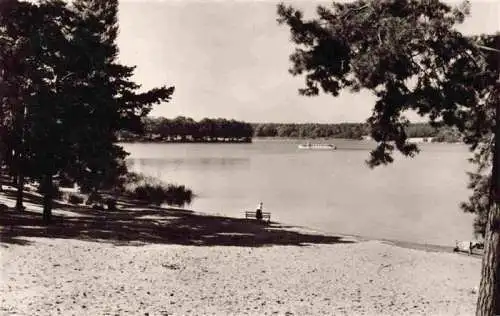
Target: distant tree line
[[311, 130], [183, 129], [349, 131]]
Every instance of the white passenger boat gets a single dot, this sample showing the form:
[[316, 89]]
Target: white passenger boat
[[318, 146]]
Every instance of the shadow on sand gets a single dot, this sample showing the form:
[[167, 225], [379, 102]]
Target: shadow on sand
[[136, 225]]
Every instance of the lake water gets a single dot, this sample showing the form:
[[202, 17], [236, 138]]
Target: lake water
[[414, 200]]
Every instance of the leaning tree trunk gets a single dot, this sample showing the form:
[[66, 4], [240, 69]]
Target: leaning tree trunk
[[47, 198], [488, 302]]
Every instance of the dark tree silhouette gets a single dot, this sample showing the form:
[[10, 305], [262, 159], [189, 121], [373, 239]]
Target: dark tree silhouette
[[17, 66], [106, 85], [72, 94]]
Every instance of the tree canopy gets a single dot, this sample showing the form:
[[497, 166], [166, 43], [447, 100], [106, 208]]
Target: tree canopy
[[408, 54]]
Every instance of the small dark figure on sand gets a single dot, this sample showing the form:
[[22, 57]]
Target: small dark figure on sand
[[258, 212]]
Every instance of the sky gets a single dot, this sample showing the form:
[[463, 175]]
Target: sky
[[230, 59]]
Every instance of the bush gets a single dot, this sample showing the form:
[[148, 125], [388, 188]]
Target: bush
[[75, 198], [111, 204], [153, 191], [93, 198], [55, 191], [65, 182]]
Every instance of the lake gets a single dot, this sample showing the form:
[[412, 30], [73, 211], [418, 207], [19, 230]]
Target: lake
[[415, 200]]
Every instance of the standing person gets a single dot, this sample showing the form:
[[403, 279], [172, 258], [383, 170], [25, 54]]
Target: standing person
[[258, 212]]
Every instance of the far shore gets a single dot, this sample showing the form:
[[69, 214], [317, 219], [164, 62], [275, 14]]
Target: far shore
[[418, 140], [163, 261]]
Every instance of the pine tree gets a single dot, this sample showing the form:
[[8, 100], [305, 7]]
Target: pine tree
[[48, 142], [17, 68], [115, 101]]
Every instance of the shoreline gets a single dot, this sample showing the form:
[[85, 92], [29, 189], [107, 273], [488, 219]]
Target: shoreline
[[292, 227], [426, 247], [153, 141], [433, 248]]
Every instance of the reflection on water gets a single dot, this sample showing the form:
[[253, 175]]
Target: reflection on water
[[412, 199], [165, 162]]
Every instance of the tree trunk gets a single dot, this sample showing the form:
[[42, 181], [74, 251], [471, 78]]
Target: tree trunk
[[20, 155], [20, 191], [489, 294], [47, 198], [488, 302], [14, 179], [19, 179]]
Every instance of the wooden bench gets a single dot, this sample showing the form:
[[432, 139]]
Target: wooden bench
[[266, 216]]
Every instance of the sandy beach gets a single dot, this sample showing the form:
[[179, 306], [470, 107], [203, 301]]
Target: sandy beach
[[151, 261]]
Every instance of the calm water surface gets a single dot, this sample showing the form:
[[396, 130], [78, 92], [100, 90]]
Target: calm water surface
[[413, 200]]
